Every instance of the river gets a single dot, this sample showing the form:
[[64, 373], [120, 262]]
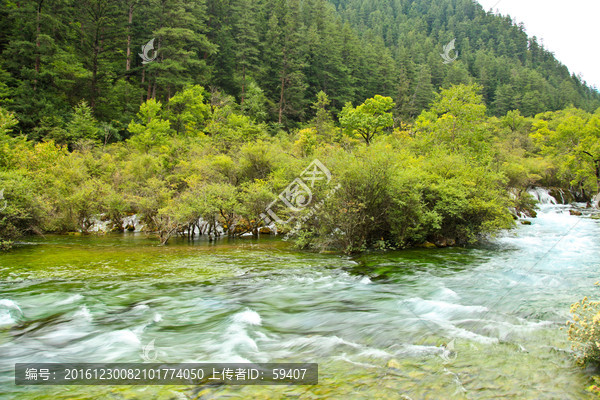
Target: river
[[377, 324]]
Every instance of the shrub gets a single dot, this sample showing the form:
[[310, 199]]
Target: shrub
[[584, 331]]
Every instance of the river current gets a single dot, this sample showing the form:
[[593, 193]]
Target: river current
[[474, 323]]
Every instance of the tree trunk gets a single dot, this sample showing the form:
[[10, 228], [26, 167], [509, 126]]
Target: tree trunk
[[130, 20], [243, 85], [281, 97], [143, 80], [37, 43], [149, 90], [95, 67]]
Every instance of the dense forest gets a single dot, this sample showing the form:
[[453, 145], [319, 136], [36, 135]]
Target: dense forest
[[273, 56], [242, 96]]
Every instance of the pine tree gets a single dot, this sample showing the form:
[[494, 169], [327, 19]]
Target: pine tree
[[247, 42], [422, 93], [100, 33], [286, 51]]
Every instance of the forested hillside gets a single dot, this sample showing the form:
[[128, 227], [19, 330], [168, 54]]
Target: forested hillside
[[273, 56], [495, 52]]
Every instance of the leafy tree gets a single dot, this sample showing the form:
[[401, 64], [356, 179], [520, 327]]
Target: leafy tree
[[187, 110], [20, 209], [254, 197], [455, 119], [369, 118], [151, 130]]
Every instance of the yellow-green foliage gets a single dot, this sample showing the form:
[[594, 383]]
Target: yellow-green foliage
[[446, 178], [563, 137], [584, 331]]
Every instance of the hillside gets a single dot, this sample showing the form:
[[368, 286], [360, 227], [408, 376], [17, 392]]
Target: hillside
[[272, 56], [515, 71]]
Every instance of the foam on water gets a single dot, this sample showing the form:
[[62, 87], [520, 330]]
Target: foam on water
[[331, 345], [446, 294], [437, 309], [359, 364], [140, 308], [10, 313], [6, 303], [6, 319], [318, 341], [83, 313], [456, 332], [69, 300], [236, 343], [248, 317], [123, 336], [377, 353], [414, 350]]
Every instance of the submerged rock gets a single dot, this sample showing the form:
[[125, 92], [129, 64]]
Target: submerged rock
[[441, 242], [525, 222]]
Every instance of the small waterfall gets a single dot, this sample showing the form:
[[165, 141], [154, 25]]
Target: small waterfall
[[98, 225], [595, 200], [542, 195], [132, 221], [562, 196]]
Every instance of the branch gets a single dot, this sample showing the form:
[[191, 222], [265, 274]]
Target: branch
[[585, 152]]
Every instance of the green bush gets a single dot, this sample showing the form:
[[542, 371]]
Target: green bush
[[392, 197], [20, 210]]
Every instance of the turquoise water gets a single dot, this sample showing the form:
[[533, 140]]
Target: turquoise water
[[376, 324]]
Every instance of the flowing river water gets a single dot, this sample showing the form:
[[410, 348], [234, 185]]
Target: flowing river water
[[376, 324]]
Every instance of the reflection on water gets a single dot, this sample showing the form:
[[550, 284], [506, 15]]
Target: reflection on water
[[450, 323]]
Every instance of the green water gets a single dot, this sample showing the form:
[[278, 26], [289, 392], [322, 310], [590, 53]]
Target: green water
[[374, 323]]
